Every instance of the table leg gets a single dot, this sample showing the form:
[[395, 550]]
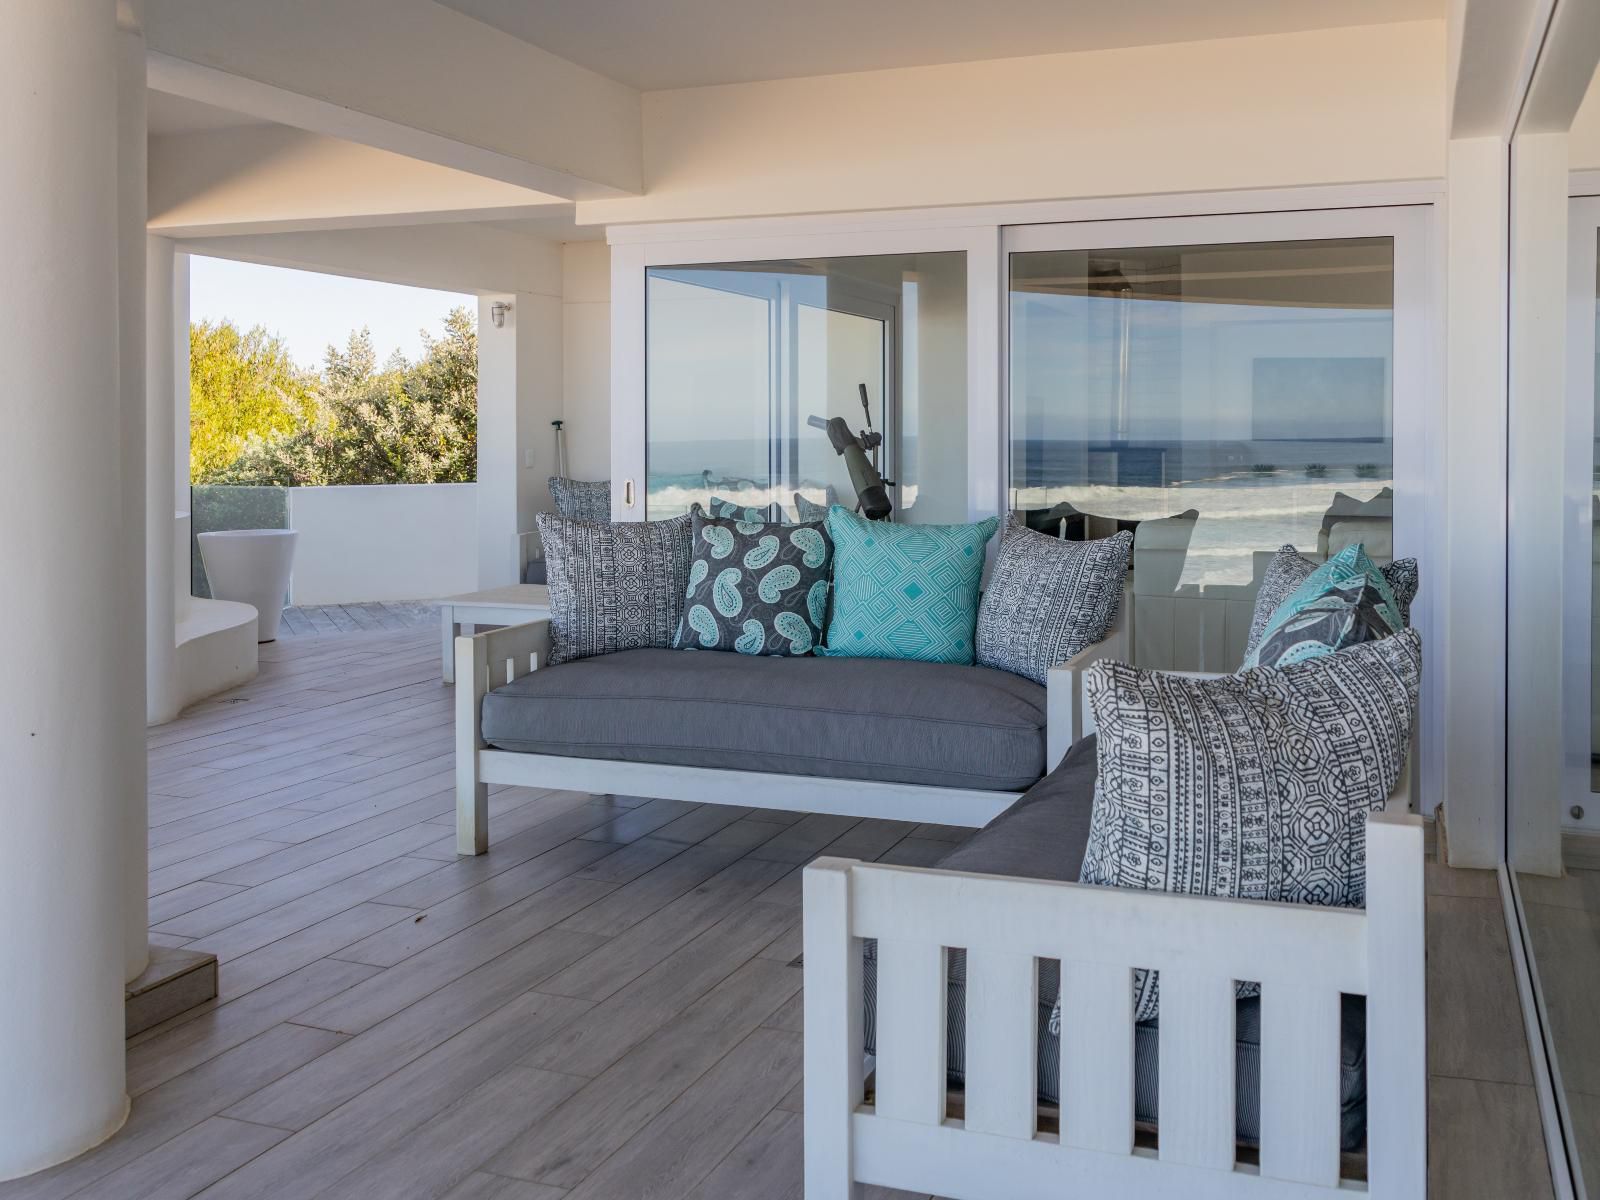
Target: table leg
[[447, 619]]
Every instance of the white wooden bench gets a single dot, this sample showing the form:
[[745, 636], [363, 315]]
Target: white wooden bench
[[1304, 957], [493, 659]]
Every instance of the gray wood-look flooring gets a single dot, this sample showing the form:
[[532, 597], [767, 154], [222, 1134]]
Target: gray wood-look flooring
[[600, 1007], [323, 620]]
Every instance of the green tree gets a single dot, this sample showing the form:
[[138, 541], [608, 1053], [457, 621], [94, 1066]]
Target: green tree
[[403, 423], [243, 388]]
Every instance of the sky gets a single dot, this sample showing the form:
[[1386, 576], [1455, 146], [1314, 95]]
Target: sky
[[309, 311]]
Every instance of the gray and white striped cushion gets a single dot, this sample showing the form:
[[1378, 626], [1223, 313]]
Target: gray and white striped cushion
[[614, 586], [1048, 599]]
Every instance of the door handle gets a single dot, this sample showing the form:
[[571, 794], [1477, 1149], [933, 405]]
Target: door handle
[[627, 493]]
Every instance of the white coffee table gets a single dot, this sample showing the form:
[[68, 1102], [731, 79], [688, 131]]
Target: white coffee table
[[512, 605]]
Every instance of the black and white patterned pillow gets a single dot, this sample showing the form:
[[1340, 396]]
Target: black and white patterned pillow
[[755, 588], [1048, 599], [1289, 569], [1254, 785], [577, 500], [613, 586]]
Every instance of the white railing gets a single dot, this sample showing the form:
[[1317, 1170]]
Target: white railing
[[383, 542], [1304, 957]]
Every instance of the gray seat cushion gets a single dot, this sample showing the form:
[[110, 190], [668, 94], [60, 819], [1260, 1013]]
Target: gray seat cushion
[[1043, 836], [938, 724]]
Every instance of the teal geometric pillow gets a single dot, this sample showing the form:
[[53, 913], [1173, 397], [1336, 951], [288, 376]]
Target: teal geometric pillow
[[904, 591], [1344, 602]]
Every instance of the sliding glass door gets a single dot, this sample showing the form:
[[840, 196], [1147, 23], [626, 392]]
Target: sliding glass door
[[1221, 387], [746, 362]]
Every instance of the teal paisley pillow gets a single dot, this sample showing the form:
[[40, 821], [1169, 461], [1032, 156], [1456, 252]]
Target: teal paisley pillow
[[1344, 602], [755, 588], [905, 591], [738, 512]]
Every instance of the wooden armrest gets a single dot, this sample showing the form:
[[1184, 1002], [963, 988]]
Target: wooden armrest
[[1066, 713], [484, 662]]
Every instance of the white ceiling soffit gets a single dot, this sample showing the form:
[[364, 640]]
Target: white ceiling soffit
[[654, 44], [178, 114]]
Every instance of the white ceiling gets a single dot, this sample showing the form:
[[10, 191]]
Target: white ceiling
[[175, 114], [651, 44]]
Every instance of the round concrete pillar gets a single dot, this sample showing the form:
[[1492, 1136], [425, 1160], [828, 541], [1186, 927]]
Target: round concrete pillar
[[63, 695], [132, 145]]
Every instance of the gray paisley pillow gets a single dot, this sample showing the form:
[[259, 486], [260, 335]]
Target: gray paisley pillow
[[1048, 599], [739, 512], [578, 500], [755, 588], [1256, 785], [613, 586], [1289, 569]]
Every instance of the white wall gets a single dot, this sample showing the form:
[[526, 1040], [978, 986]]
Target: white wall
[[1331, 106], [391, 542], [519, 394], [586, 357]]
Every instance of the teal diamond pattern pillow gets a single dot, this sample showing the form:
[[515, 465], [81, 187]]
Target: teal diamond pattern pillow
[[1343, 603], [904, 591]]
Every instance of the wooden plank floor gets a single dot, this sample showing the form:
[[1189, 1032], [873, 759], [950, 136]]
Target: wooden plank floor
[[323, 620], [602, 1006]]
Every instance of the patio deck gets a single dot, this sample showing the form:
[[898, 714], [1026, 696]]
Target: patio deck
[[601, 1008], [321, 620]]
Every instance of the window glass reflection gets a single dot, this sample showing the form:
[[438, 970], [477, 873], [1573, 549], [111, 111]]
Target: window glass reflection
[[1219, 400]]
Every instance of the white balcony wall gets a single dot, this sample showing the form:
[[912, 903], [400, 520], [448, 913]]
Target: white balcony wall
[[384, 542], [1349, 105]]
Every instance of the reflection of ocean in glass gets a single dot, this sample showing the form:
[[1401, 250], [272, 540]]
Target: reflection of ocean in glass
[[1252, 496]]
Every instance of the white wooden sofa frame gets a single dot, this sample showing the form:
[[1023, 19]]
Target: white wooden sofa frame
[[494, 658], [1303, 957]]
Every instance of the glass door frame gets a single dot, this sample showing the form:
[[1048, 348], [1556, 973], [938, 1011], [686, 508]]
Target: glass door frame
[[630, 260], [1418, 404], [1583, 233]]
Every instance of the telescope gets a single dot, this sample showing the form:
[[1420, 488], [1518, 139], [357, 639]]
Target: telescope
[[872, 496]]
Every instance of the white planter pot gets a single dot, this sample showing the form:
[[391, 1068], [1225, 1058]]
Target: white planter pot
[[252, 566]]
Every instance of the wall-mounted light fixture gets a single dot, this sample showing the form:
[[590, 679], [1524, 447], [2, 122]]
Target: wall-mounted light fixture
[[497, 313]]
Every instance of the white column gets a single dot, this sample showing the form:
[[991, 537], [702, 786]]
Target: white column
[[62, 701], [132, 144], [161, 329], [1469, 759], [1542, 512], [519, 394]]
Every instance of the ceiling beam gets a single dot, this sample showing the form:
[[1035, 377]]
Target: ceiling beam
[[271, 179], [1493, 45], [452, 258], [407, 76]]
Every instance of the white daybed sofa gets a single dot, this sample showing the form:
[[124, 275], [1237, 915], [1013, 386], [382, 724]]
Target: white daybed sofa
[[500, 660], [906, 1131]]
